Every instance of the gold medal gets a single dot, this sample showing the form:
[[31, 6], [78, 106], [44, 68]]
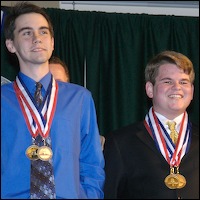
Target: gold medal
[[182, 181], [181, 178], [44, 153], [172, 181], [31, 152]]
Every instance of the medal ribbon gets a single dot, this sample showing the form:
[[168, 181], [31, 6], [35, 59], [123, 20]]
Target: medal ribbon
[[35, 119], [172, 154]]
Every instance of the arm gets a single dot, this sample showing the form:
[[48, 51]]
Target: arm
[[91, 158]]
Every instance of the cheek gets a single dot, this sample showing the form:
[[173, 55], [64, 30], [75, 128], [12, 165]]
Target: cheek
[[191, 94], [21, 45], [51, 47], [158, 92], [52, 44]]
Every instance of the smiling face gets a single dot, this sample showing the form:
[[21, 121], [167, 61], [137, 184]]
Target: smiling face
[[172, 92], [33, 43]]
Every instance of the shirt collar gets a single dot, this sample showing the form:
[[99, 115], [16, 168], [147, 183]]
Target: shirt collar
[[30, 83], [164, 120]]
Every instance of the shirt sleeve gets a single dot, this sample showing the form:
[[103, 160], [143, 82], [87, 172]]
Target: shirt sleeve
[[92, 173]]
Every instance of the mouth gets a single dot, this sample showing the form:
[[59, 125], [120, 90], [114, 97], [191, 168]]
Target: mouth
[[37, 49], [175, 96]]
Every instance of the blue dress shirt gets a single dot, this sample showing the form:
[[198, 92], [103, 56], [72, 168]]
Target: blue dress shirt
[[77, 156]]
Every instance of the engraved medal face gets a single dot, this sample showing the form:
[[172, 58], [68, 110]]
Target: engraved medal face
[[182, 181], [44, 153], [31, 152], [172, 181]]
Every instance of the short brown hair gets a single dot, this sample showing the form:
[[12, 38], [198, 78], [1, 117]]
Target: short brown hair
[[172, 57], [19, 9]]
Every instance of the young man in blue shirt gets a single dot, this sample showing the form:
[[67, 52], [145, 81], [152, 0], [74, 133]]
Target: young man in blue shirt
[[67, 115]]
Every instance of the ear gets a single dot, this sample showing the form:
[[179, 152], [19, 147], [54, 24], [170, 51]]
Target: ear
[[149, 89], [10, 46]]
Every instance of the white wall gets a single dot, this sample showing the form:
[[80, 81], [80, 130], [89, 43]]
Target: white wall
[[178, 8]]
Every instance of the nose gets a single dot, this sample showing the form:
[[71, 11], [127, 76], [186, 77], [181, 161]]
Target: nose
[[36, 38], [176, 85]]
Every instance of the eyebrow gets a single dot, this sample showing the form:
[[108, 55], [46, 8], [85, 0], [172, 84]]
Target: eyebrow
[[30, 28], [183, 79]]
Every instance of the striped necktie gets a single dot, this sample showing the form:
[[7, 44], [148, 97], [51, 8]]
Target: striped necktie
[[42, 178], [42, 184]]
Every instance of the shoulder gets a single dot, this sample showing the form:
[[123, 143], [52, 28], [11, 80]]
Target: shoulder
[[195, 130], [6, 88], [195, 126], [74, 93], [71, 87], [133, 127], [127, 131], [128, 137]]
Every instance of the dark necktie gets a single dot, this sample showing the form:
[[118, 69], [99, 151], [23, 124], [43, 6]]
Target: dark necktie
[[38, 96], [42, 179]]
